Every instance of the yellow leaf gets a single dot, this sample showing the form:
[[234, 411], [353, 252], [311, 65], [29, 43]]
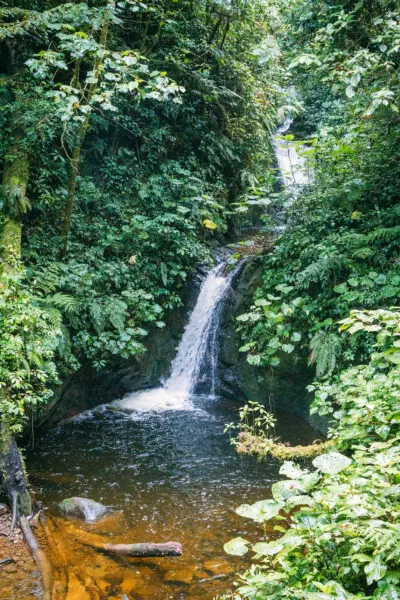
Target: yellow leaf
[[209, 224]]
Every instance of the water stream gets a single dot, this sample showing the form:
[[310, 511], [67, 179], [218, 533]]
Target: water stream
[[176, 391], [160, 459]]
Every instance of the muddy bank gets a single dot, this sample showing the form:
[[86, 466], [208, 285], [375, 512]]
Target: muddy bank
[[19, 577]]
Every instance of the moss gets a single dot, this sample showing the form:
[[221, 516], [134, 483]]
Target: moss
[[248, 443], [15, 180]]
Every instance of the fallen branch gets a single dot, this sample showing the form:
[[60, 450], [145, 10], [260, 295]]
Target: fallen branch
[[7, 561], [141, 550], [248, 443], [40, 557]]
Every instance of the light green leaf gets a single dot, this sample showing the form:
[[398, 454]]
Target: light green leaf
[[268, 549], [295, 501], [260, 511], [237, 546], [291, 470], [282, 490], [374, 571], [331, 463]]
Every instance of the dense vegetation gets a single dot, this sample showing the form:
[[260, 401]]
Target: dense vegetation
[[134, 137], [127, 132], [326, 298]]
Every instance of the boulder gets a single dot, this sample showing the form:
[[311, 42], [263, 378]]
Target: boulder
[[82, 508], [3, 509]]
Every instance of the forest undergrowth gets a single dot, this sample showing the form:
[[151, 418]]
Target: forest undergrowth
[[329, 299]]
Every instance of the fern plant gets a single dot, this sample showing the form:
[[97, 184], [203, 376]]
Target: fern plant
[[326, 349], [322, 270]]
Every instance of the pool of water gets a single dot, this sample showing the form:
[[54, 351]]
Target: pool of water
[[170, 475]]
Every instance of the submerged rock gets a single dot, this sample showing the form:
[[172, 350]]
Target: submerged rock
[[3, 509], [184, 575], [82, 508]]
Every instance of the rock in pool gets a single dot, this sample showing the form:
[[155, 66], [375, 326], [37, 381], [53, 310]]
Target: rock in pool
[[3, 509], [82, 508]]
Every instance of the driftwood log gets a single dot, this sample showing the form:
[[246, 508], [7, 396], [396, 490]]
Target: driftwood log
[[143, 550], [140, 550]]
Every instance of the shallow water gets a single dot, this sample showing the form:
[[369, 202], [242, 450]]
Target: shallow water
[[174, 476]]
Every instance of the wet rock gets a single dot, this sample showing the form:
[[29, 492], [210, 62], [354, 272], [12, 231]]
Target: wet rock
[[3, 509], [179, 575], [82, 508], [218, 567]]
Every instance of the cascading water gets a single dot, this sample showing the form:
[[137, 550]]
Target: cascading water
[[293, 168], [292, 165], [200, 332]]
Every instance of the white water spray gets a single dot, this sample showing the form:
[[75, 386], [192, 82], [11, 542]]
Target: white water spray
[[175, 392], [292, 164]]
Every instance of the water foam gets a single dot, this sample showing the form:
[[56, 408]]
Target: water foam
[[175, 393]]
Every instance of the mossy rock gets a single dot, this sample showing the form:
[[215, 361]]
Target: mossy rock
[[82, 508]]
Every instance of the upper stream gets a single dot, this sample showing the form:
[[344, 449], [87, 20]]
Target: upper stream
[[160, 459]]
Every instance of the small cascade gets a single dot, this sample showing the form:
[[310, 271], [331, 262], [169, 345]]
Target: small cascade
[[200, 335], [292, 165]]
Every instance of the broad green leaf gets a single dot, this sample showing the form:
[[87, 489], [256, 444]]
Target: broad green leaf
[[291, 470], [309, 481], [260, 511], [237, 546], [268, 549], [295, 501], [331, 463], [282, 490], [374, 570]]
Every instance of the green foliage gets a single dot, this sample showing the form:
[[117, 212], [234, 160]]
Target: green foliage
[[180, 96], [339, 256], [325, 350], [343, 542], [253, 419], [28, 342]]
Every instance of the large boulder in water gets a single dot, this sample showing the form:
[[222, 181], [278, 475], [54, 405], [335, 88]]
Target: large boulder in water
[[82, 508]]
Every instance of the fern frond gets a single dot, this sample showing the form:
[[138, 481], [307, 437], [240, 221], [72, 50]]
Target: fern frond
[[98, 316], [385, 234], [326, 348], [352, 240], [64, 302], [386, 537], [320, 270], [116, 311], [53, 316], [363, 253], [47, 279]]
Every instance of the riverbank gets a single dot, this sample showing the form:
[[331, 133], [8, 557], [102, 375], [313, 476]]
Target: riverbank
[[19, 576]]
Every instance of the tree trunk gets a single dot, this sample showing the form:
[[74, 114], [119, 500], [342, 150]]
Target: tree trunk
[[75, 160], [12, 473], [15, 181]]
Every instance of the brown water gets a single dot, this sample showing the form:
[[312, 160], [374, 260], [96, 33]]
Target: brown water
[[171, 476]]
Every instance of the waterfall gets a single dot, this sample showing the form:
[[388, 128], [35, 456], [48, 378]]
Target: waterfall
[[200, 332], [186, 366], [292, 165]]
